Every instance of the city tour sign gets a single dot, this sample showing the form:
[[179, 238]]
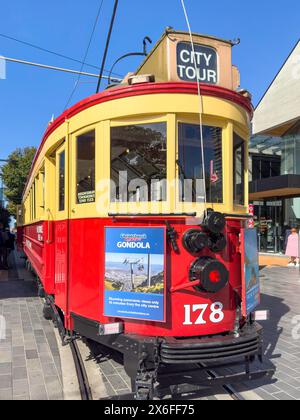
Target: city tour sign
[[200, 63]]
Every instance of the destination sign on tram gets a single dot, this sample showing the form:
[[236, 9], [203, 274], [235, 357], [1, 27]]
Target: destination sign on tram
[[200, 63]]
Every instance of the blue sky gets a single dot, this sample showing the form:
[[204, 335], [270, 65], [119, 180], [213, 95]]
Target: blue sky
[[29, 97]]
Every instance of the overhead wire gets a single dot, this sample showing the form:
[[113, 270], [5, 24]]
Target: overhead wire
[[37, 47], [86, 53]]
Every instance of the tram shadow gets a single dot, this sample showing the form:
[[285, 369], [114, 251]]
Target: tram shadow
[[271, 352]]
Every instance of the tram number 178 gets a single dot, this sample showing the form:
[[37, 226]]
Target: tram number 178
[[216, 313]]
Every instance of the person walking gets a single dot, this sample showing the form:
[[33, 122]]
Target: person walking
[[292, 248], [3, 248]]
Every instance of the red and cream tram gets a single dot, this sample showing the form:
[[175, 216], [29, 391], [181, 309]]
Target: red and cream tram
[[135, 213]]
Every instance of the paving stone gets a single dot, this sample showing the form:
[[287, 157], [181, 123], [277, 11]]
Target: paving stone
[[36, 378], [34, 365], [5, 368], [20, 388], [19, 361], [117, 382], [49, 369], [31, 354], [5, 381], [283, 396], [6, 394], [19, 373], [38, 393]]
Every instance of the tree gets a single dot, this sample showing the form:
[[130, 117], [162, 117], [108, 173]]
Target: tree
[[15, 174]]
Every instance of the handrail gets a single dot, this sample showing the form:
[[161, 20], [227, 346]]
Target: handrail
[[49, 239]]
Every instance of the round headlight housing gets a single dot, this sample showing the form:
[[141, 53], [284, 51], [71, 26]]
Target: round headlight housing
[[214, 222], [217, 242], [194, 241], [212, 275]]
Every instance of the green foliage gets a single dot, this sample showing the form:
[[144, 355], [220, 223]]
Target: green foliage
[[15, 174]]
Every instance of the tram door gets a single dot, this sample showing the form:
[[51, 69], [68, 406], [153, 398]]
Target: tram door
[[61, 226]]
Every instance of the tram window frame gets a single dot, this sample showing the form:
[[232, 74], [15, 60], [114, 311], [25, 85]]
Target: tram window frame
[[239, 188], [61, 185], [188, 187], [34, 200], [86, 195], [146, 180]]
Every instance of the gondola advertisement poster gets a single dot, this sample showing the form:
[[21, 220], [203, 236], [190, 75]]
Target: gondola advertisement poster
[[135, 273], [250, 271]]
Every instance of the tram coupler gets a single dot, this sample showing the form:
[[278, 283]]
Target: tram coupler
[[144, 385]]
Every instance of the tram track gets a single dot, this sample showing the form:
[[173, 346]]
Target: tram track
[[83, 381]]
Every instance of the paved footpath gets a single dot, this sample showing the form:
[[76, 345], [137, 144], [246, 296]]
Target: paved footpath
[[30, 367], [281, 295]]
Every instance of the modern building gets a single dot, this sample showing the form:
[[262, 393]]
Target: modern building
[[275, 156]]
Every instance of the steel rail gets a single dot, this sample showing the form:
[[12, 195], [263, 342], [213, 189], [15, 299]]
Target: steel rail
[[84, 386]]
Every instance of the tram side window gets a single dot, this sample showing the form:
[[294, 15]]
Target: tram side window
[[190, 167], [61, 187], [139, 163], [85, 176], [238, 170]]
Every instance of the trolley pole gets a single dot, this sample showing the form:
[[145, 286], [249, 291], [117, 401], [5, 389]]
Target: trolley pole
[[107, 45]]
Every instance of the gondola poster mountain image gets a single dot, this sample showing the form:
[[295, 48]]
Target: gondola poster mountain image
[[250, 271], [135, 273]]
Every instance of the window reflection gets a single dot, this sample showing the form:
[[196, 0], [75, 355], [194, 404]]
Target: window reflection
[[190, 163], [86, 168], [238, 170], [138, 163]]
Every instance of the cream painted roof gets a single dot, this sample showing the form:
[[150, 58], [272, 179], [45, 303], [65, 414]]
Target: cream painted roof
[[281, 102]]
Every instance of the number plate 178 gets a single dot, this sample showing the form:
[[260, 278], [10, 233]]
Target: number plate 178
[[199, 314]]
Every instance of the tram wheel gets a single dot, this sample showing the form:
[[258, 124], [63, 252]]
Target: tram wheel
[[47, 312], [41, 292]]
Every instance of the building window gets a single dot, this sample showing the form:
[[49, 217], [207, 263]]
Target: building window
[[238, 170], [265, 166], [85, 175], [61, 186], [139, 163], [190, 165]]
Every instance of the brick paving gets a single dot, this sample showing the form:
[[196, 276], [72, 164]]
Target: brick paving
[[281, 294], [29, 357]]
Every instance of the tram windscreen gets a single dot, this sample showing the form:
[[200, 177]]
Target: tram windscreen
[[190, 166], [139, 163]]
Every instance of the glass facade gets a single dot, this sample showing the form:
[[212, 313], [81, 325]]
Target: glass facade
[[271, 157], [290, 152]]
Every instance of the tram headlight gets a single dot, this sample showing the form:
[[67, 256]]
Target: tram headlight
[[212, 275], [214, 222], [194, 241]]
